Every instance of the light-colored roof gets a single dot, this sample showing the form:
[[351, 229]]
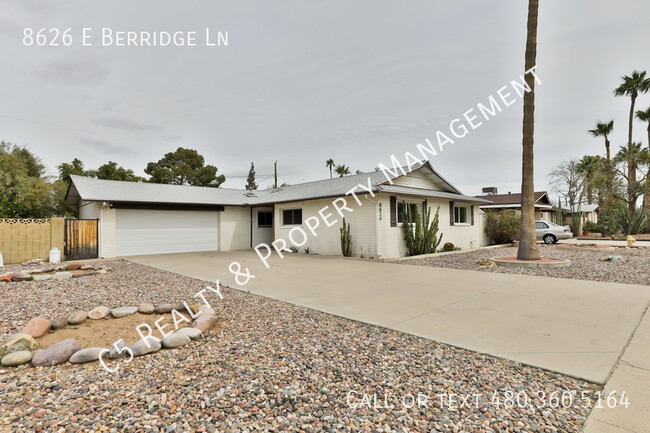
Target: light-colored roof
[[395, 189], [91, 189]]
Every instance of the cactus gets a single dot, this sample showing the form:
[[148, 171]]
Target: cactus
[[420, 235], [346, 240]]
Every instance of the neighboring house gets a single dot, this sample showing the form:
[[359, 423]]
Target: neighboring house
[[543, 208], [589, 212], [148, 218]]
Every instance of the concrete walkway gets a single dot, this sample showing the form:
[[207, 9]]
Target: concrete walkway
[[573, 327]]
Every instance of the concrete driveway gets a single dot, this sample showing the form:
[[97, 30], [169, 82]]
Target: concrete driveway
[[573, 327]]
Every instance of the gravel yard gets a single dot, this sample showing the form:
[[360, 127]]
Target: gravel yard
[[271, 367], [634, 268]]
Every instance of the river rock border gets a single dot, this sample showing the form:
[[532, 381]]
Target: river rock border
[[22, 348], [512, 262], [58, 272]]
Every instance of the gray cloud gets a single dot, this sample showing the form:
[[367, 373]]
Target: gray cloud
[[125, 124], [105, 147], [74, 71]]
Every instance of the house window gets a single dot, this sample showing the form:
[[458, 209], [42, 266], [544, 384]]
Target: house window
[[265, 219], [291, 217], [413, 208], [461, 214]]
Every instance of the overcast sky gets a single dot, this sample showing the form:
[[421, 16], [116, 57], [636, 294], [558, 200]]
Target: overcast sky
[[304, 81]]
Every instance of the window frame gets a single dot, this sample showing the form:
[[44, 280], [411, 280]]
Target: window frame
[[410, 203], [269, 212], [292, 210], [468, 216]]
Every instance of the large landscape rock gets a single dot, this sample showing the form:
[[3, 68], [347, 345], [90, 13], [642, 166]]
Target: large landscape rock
[[37, 327], [57, 353], [177, 339], [141, 348], [41, 277], [62, 276], [193, 333], [164, 308], [204, 322], [18, 343], [15, 359], [22, 276], [86, 355], [6, 277], [99, 312], [77, 317], [123, 311], [145, 308], [59, 322], [74, 266], [116, 350]]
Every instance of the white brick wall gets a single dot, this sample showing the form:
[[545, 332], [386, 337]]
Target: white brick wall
[[327, 240], [391, 238]]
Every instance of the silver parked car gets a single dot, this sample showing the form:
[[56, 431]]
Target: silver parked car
[[550, 232]]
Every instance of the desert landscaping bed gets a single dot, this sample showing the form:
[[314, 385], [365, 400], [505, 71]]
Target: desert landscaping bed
[[633, 268], [272, 367]]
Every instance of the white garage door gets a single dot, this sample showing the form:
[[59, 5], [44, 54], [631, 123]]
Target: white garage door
[[166, 231]]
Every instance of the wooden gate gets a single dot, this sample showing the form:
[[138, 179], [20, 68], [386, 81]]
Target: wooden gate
[[81, 239]]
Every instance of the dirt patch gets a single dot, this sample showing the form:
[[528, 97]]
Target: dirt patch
[[541, 260], [106, 331]]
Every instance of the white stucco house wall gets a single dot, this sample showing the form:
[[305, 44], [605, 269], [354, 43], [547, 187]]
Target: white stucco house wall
[[148, 218]]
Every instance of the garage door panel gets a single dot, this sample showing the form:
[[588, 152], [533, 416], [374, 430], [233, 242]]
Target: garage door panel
[[164, 231]]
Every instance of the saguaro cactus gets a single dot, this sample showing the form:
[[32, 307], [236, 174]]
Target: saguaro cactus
[[346, 240]]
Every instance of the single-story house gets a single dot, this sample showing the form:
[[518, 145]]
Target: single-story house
[[543, 208], [147, 218], [589, 212]]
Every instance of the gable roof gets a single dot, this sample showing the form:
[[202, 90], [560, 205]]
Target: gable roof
[[91, 189], [541, 198]]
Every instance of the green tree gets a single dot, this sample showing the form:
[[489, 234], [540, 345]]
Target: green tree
[[589, 166], [330, 164], [644, 116], [111, 171], [632, 86], [75, 167], [184, 167], [342, 170], [604, 130], [633, 159], [250, 180], [24, 190], [528, 249]]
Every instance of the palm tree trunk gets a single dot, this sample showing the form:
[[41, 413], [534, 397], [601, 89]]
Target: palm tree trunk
[[609, 174], [527, 242], [590, 195], [631, 171], [646, 193]]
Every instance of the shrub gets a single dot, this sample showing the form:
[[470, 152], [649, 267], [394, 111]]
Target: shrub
[[448, 246], [420, 234], [623, 219], [294, 249], [502, 227], [591, 226], [307, 250]]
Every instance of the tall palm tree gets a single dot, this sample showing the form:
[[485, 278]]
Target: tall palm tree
[[527, 241], [342, 170], [605, 130], [330, 164], [644, 116], [588, 167], [632, 86]]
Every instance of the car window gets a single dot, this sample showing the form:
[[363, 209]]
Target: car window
[[540, 225]]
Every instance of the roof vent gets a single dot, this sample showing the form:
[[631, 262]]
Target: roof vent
[[490, 190], [359, 172]]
